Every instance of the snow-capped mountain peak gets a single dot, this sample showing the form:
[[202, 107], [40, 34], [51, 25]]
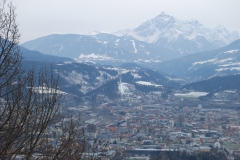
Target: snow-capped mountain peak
[[163, 18], [174, 34]]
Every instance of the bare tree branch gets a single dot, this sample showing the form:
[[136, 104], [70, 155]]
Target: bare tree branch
[[30, 120]]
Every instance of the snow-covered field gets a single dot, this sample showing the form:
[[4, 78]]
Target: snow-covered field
[[148, 83], [191, 94], [47, 90], [94, 56]]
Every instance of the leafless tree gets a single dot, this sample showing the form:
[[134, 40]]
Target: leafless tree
[[67, 140], [30, 121]]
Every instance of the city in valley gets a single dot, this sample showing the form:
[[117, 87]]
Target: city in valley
[[139, 125], [148, 86]]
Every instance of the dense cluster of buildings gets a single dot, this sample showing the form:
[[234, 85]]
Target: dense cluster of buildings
[[137, 126]]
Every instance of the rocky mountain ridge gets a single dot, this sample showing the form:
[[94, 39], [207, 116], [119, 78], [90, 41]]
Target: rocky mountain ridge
[[168, 31]]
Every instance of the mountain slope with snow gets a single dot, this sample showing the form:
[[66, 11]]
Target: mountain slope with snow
[[79, 79], [100, 47], [205, 65]]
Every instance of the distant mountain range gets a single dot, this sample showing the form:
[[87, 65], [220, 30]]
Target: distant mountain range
[[185, 49], [159, 39], [101, 47], [84, 80], [204, 65]]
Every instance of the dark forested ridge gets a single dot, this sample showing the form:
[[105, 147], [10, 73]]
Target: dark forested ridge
[[216, 84]]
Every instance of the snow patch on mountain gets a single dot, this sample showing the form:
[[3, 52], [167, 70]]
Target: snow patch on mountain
[[191, 94], [175, 79], [117, 42], [230, 91], [230, 64], [148, 83], [147, 61], [231, 51], [207, 61], [135, 75], [94, 56], [134, 46], [225, 69], [223, 63], [124, 71], [214, 61]]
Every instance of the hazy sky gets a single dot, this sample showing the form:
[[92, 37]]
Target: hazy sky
[[38, 18]]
